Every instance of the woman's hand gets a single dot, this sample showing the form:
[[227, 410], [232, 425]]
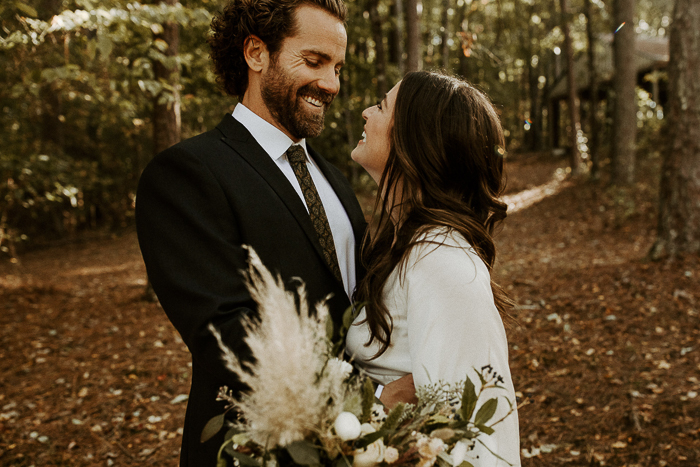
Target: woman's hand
[[401, 390]]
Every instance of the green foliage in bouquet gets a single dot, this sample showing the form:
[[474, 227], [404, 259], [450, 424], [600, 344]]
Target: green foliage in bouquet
[[306, 408]]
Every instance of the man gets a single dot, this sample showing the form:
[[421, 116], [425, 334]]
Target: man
[[199, 201]]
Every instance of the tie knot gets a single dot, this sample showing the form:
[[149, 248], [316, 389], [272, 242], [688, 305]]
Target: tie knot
[[296, 154]]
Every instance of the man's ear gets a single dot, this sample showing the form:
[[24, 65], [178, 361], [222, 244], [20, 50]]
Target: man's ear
[[255, 53]]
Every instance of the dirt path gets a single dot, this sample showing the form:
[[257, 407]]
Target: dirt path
[[605, 349]]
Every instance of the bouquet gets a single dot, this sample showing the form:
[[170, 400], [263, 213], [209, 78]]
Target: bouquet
[[305, 407]]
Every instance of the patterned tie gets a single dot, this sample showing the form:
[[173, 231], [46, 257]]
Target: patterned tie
[[297, 159]]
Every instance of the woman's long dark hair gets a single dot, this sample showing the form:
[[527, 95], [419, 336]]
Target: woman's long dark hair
[[446, 168]]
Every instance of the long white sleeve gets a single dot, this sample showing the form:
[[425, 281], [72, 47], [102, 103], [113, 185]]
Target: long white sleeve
[[454, 328]]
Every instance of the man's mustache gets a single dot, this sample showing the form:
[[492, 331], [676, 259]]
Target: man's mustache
[[317, 93]]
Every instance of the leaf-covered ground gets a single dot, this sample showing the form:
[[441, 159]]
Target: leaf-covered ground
[[605, 346]]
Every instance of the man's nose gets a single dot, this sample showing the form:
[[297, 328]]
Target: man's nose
[[330, 81]]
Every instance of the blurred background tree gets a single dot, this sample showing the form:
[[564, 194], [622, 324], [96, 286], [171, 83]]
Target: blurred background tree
[[93, 88]]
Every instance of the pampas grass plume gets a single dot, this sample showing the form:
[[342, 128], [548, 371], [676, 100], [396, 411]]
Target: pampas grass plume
[[292, 379]]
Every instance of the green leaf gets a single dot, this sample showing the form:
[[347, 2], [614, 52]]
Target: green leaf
[[212, 427], [232, 432], [329, 328], [26, 9], [438, 419], [245, 460], [466, 464], [487, 430], [303, 453], [468, 400], [369, 438], [486, 411]]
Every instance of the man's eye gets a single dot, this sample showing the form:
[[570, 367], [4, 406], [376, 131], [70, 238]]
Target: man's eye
[[311, 63]]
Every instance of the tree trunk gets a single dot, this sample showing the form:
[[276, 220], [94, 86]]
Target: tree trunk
[[679, 194], [464, 71], [396, 39], [574, 115], [413, 59], [593, 127], [534, 135], [625, 106], [380, 51], [166, 112], [352, 138], [445, 35], [52, 120]]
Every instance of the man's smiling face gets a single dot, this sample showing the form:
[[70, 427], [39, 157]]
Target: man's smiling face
[[303, 76]]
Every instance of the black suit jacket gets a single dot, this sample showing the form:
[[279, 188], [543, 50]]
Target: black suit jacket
[[197, 203]]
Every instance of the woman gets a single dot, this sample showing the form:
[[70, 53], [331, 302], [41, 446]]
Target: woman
[[435, 147]]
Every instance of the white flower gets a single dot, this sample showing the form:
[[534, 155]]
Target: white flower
[[430, 447], [369, 456], [339, 367], [391, 455], [366, 429], [459, 452], [347, 426], [377, 415]]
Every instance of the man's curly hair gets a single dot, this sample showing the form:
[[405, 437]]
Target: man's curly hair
[[270, 20]]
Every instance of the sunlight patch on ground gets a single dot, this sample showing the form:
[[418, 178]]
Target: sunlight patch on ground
[[527, 198], [94, 271]]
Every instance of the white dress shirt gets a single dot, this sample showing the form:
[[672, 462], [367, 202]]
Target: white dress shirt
[[445, 324], [275, 143]]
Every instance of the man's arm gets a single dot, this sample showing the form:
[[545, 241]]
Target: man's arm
[[401, 390], [191, 247]]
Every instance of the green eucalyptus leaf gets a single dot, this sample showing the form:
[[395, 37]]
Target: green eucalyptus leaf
[[469, 398], [485, 429], [212, 427], [486, 411], [303, 453]]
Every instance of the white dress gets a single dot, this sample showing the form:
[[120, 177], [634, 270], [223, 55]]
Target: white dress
[[445, 324]]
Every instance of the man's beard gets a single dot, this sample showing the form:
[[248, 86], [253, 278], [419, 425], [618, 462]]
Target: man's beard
[[287, 107]]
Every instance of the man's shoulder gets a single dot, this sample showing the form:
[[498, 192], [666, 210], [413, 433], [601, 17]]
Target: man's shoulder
[[204, 145], [199, 143]]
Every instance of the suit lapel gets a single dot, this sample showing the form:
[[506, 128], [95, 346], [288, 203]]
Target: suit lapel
[[242, 142]]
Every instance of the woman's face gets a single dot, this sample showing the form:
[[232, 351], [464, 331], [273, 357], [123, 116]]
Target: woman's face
[[372, 151]]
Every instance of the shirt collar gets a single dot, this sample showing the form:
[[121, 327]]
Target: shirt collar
[[270, 138]]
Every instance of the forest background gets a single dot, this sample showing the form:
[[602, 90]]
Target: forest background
[[603, 165], [94, 88]]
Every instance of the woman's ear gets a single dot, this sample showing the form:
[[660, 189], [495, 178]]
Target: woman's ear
[[255, 53]]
